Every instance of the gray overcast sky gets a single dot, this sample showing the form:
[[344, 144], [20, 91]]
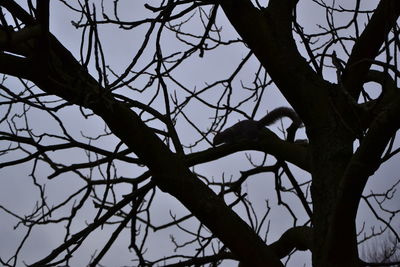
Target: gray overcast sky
[[18, 194]]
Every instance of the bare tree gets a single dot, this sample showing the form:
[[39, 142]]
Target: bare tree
[[386, 252], [340, 75]]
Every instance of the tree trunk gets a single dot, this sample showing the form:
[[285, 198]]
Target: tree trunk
[[331, 152]]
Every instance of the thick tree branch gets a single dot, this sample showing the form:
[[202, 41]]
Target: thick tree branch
[[71, 82], [42, 45], [15, 66], [15, 42], [389, 92], [367, 46], [299, 238], [173, 177], [268, 33], [296, 154], [365, 161]]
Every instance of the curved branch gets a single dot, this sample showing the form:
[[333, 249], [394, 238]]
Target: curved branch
[[389, 92], [384, 79], [299, 238]]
